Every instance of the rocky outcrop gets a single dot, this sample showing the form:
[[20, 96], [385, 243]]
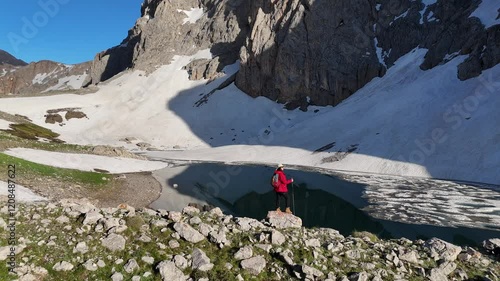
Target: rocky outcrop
[[43, 76], [252, 248], [165, 29]]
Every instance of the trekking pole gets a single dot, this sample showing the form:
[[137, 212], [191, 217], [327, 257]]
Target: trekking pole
[[293, 199]]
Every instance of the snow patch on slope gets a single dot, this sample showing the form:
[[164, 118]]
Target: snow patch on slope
[[4, 125], [430, 16], [85, 162], [380, 53], [22, 193], [488, 12], [403, 15], [193, 15], [69, 82], [39, 78]]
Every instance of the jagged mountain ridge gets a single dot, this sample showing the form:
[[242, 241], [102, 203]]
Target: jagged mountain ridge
[[8, 59], [303, 52]]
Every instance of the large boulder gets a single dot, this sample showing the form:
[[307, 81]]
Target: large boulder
[[254, 265], [169, 272], [188, 233], [492, 245], [283, 220], [442, 250]]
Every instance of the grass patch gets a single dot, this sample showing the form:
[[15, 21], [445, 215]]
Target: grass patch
[[11, 141], [31, 131], [26, 168]]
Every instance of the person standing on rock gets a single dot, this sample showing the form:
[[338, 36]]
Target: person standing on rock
[[280, 187]]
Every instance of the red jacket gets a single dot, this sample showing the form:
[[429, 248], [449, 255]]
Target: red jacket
[[283, 182]]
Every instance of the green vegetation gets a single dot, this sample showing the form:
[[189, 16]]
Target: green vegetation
[[31, 131], [26, 169]]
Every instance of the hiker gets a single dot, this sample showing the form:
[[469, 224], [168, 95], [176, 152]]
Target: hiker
[[281, 189]]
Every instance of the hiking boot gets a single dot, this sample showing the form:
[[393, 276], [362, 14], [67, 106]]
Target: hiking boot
[[278, 210], [288, 211]]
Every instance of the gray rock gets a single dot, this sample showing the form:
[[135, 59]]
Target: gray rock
[[192, 211], [150, 212], [175, 216], [117, 276], [205, 229], [254, 265], [131, 266], [360, 276], [90, 265], [62, 219], [92, 217], [246, 224], [492, 245], [201, 260], [144, 238], [308, 270], [287, 256], [159, 223], [218, 237], [411, 257], [180, 261], [5, 251], [265, 247], [118, 229], [169, 272], [217, 212], [173, 244], [277, 238], [109, 223], [188, 233], [148, 260], [244, 253], [440, 249], [354, 254], [114, 242], [63, 266], [136, 278], [282, 220], [195, 220], [313, 243], [437, 275], [81, 248]]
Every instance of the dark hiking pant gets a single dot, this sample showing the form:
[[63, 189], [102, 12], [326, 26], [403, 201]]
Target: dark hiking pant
[[285, 196]]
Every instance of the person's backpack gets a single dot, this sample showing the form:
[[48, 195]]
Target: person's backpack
[[275, 180]]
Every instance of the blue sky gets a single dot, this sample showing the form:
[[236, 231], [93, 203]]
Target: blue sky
[[67, 31]]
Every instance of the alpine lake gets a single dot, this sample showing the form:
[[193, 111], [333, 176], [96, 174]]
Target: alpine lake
[[388, 206]]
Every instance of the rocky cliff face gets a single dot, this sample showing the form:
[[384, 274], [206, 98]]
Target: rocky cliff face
[[169, 28], [303, 52]]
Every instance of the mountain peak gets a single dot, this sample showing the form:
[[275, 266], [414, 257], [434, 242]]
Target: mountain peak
[[6, 58]]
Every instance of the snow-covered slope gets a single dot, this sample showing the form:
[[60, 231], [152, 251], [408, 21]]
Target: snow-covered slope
[[409, 122], [488, 12]]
